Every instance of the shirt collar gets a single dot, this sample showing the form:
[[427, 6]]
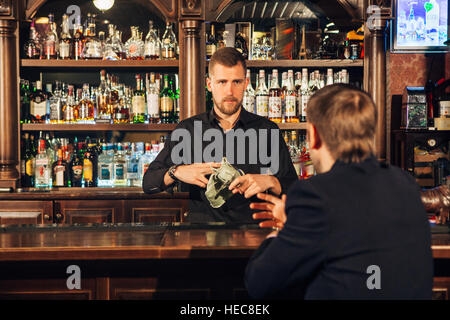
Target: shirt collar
[[244, 117]]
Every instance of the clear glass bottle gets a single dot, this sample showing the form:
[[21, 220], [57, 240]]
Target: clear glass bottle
[[291, 99], [152, 100], [330, 77], [38, 104], [60, 171], [262, 96], [138, 102], [69, 106], [32, 48], [304, 91], [169, 44], [105, 166], [43, 167], [66, 42], [211, 43], [120, 167], [78, 42], [275, 103], [166, 101], [86, 107], [145, 160], [152, 47], [51, 39], [132, 160], [93, 46], [134, 46], [249, 95]]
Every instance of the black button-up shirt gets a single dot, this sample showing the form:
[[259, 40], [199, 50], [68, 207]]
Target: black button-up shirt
[[250, 158]]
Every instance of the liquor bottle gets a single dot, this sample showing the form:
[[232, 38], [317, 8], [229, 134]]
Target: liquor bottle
[[78, 42], [113, 47], [28, 163], [145, 161], [90, 166], [166, 101], [76, 166], [105, 166], [113, 97], [305, 94], [93, 46], [134, 46], [56, 105], [169, 47], [291, 99], [102, 99], [132, 160], [174, 86], [152, 99], [25, 96], [60, 171], [38, 104], [152, 46], [284, 80], [32, 48], [86, 107], [241, 45], [65, 43], [211, 43], [69, 107], [249, 95], [51, 40], [138, 102], [330, 77], [119, 167], [262, 96], [43, 167], [275, 98], [294, 151]]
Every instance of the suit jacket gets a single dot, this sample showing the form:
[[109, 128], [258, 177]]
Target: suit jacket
[[355, 227]]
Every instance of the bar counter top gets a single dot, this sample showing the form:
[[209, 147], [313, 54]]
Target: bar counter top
[[146, 241]]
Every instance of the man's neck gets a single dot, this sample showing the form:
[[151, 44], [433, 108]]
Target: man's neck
[[226, 121]]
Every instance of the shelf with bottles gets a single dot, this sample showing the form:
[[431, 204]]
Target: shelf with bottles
[[331, 63], [78, 64], [73, 127], [54, 162]]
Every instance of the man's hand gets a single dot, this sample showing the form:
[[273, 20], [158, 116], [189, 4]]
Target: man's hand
[[251, 184], [195, 173], [272, 209]]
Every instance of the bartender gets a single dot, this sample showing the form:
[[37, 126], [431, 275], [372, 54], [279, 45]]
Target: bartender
[[250, 143]]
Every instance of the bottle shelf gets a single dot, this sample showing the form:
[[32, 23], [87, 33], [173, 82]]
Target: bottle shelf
[[346, 63], [166, 127], [99, 63]]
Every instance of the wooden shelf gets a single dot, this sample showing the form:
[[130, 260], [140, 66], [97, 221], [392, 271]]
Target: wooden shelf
[[292, 126], [347, 63], [99, 63], [98, 127]]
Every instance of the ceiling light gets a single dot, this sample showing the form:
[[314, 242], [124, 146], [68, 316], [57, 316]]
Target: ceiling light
[[104, 5]]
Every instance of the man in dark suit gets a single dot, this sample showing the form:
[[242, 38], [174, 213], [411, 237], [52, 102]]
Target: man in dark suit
[[357, 230]]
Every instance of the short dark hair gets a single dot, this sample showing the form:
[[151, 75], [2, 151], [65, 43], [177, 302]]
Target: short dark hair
[[228, 57], [346, 120]]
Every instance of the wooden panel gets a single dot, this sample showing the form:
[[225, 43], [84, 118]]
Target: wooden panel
[[157, 210], [88, 211], [26, 212], [441, 289]]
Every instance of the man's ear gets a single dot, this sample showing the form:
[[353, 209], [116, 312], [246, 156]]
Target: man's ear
[[314, 140], [208, 83]]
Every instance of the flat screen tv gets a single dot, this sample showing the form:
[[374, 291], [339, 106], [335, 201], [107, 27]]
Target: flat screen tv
[[420, 26]]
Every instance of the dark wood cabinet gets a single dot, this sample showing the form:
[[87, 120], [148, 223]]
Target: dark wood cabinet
[[156, 210], [26, 212], [441, 288], [88, 211]]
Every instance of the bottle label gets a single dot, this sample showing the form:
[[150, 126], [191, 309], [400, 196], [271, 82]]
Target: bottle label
[[305, 99], [210, 49], [138, 103], [77, 172], [38, 107], [29, 167], [133, 50], [84, 111], [132, 171], [56, 111], [42, 173], [290, 106], [275, 107], [64, 50], [119, 172], [87, 170], [249, 103], [262, 103], [153, 105], [50, 48], [299, 104], [59, 176], [151, 49], [168, 52], [105, 171], [166, 104]]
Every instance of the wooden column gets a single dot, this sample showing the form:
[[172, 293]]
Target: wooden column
[[377, 81], [9, 176], [192, 57]]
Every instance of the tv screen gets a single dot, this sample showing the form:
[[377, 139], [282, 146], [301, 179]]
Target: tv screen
[[420, 25]]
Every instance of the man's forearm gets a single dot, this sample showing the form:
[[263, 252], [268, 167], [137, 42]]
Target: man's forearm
[[168, 180]]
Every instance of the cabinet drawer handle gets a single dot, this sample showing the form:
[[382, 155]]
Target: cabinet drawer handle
[[46, 217], [59, 217]]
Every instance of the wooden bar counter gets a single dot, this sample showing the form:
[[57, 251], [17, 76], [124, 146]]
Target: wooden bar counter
[[143, 261]]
